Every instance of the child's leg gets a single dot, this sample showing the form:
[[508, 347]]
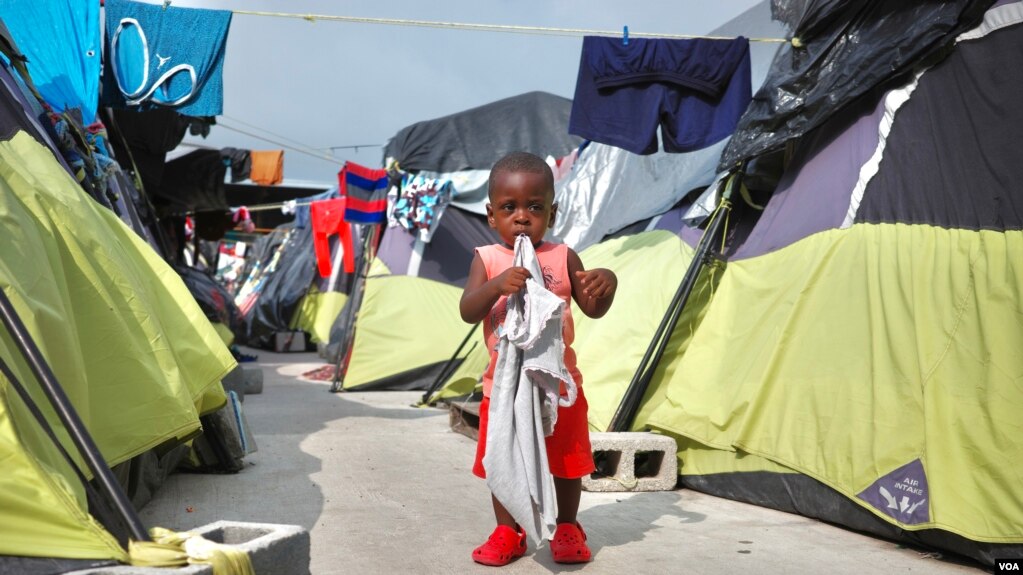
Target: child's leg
[[568, 492], [502, 515], [568, 544]]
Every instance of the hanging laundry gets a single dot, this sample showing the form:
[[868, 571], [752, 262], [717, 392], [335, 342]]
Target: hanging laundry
[[328, 219], [695, 90], [243, 219], [165, 56], [61, 41], [267, 167], [240, 162], [366, 192], [419, 205]]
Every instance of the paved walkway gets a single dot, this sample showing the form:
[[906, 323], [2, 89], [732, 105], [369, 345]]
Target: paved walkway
[[386, 488]]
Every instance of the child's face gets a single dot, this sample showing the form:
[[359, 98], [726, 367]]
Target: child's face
[[521, 203]]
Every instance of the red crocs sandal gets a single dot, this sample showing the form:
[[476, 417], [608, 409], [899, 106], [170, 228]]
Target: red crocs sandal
[[502, 547], [569, 544]]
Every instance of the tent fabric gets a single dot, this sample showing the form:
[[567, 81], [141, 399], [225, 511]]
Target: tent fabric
[[133, 351], [600, 195], [63, 55], [404, 323], [954, 192], [892, 341], [813, 194], [650, 266], [845, 49], [288, 271], [16, 110], [885, 389], [316, 313], [448, 255], [535, 122]]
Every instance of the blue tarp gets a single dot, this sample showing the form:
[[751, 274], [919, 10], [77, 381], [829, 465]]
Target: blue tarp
[[61, 40]]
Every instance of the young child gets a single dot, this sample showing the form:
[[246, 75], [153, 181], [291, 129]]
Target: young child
[[522, 202]]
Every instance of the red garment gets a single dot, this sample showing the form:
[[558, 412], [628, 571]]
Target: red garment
[[328, 219], [569, 453]]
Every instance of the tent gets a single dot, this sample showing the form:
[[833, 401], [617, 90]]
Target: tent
[[864, 334], [132, 350], [856, 361], [123, 337]]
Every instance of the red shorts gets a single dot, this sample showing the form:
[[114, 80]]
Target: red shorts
[[568, 449]]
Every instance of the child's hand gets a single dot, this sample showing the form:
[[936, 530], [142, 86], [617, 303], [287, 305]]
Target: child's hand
[[512, 280], [597, 283]]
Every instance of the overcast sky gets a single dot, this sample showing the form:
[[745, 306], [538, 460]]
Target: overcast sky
[[328, 84]]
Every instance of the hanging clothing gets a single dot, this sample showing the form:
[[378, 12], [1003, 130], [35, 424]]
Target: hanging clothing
[[328, 219], [366, 191], [525, 397], [165, 56], [419, 205], [694, 90], [240, 162], [267, 167]]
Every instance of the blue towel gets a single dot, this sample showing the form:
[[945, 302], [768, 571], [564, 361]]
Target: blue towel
[[169, 57], [64, 54]]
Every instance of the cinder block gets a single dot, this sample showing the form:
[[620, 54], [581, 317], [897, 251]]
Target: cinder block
[[464, 418], [286, 341], [633, 461], [272, 548], [252, 376], [235, 381]]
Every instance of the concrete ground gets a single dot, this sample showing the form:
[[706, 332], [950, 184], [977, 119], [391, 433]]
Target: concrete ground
[[386, 488]]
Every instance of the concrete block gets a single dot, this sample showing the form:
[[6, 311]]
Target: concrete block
[[272, 548], [252, 377], [464, 418], [287, 341], [633, 461], [235, 381]]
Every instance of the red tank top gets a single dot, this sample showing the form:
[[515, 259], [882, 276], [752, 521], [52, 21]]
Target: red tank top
[[554, 263]]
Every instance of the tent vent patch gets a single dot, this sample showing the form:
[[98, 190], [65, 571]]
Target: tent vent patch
[[901, 494]]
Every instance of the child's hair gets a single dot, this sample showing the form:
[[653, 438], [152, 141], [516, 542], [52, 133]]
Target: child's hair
[[521, 162]]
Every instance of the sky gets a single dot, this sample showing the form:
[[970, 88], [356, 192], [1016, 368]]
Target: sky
[[325, 86]]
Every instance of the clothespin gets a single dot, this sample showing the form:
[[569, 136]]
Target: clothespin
[[166, 3], [625, 35]]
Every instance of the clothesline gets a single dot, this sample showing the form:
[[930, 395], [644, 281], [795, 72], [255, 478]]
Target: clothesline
[[275, 206], [308, 151], [541, 30]]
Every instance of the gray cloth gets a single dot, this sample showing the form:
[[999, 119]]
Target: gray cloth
[[524, 400]]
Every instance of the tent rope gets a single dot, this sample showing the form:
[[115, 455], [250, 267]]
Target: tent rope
[[540, 30]]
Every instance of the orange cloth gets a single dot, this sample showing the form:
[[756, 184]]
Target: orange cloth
[[267, 167]]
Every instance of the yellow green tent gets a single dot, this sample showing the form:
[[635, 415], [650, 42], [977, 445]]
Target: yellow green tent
[[122, 334]]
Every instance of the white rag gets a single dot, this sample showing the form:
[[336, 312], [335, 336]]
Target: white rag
[[524, 400]]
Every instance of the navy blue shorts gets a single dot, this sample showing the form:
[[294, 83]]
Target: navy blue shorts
[[695, 90]]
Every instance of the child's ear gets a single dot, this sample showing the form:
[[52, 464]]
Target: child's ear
[[554, 213], [490, 216]]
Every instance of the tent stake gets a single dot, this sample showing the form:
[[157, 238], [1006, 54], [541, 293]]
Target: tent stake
[[626, 412], [69, 417]]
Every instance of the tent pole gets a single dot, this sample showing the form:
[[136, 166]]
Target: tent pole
[[444, 371], [358, 288], [626, 412], [69, 417]]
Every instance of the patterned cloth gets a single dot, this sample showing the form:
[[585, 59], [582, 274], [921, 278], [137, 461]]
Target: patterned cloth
[[419, 205]]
